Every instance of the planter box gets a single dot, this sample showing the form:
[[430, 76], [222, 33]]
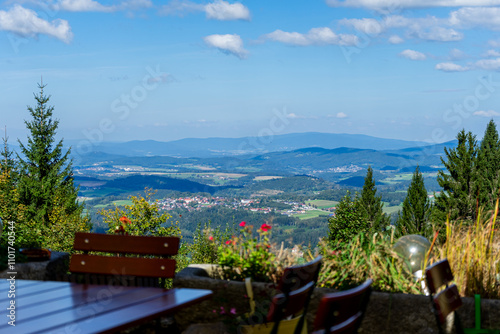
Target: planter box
[[386, 313]]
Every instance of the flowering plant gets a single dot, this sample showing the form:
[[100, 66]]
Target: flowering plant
[[248, 255]]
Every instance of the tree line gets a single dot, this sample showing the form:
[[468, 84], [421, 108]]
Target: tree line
[[470, 184]]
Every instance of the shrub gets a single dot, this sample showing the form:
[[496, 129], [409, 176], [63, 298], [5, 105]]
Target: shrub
[[206, 242], [348, 264], [474, 256], [248, 255]]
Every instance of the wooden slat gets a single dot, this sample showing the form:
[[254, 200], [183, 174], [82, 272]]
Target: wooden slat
[[26, 289], [102, 309], [130, 266], [115, 243], [447, 301], [437, 275]]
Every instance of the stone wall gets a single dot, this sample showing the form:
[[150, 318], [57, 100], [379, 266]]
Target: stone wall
[[50, 270], [386, 313]]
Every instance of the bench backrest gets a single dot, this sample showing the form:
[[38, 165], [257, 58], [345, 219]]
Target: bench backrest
[[130, 256]]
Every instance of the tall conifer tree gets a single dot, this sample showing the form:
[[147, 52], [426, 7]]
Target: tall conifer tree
[[416, 207], [460, 183], [46, 184], [488, 168], [371, 205]]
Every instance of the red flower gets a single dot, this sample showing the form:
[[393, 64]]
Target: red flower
[[265, 227], [125, 220], [242, 224], [228, 242], [210, 238]]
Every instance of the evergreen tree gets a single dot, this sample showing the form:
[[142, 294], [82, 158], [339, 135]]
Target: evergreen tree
[[46, 186], [459, 198], [371, 205], [416, 207], [488, 168], [347, 222], [10, 211]]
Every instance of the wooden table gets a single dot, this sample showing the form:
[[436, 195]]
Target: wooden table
[[62, 307]]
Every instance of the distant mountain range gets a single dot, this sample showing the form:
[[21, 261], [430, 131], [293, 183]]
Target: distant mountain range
[[213, 147]]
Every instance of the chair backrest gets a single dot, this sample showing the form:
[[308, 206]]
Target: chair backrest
[[350, 326], [118, 263], [437, 275], [298, 283], [447, 299], [338, 307], [297, 276]]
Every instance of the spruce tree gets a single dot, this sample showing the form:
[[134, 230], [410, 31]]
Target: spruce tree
[[488, 168], [370, 205], [46, 186], [416, 207], [459, 197], [10, 211], [347, 222]]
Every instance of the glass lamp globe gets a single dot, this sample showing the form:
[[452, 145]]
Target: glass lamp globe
[[413, 248]]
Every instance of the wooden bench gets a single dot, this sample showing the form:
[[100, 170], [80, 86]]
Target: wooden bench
[[123, 259]]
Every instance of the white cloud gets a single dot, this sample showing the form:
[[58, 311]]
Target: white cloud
[[457, 54], [487, 17], [484, 113], [492, 53], [315, 36], [179, 7], [82, 6], [224, 11], [367, 26], [413, 55], [341, 115], [450, 67], [217, 10], [488, 64], [440, 34], [395, 5], [26, 23], [395, 39], [95, 6], [229, 44]]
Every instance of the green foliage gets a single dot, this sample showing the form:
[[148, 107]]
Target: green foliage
[[206, 242], [143, 217], [488, 168], [347, 222], [460, 187], [414, 218], [248, 256], [348, 264], [37, 192], [371, 206], [474, 255]]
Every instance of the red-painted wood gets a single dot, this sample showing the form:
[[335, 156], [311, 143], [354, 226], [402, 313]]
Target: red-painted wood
[[116, 243]]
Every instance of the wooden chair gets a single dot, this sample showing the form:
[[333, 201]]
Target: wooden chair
[[295, 278], [342, 312], [289, 305], [130, 261], [447, 300], [295, 289]]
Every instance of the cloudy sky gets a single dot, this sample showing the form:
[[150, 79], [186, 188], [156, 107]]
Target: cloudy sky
[[165, 70]]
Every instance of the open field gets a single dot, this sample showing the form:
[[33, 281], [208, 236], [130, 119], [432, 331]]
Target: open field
[[265, 178], [322, 204], [311, 214]]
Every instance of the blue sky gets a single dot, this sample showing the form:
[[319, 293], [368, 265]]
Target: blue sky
[[143, 69]]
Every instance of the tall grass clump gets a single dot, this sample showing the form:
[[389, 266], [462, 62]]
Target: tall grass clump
[[348, 264], [474, 255]]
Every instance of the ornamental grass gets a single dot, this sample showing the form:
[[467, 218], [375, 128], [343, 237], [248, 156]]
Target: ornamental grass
[[473, 252]]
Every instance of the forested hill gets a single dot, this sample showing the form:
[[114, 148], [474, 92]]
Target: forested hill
[[210, 147]]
